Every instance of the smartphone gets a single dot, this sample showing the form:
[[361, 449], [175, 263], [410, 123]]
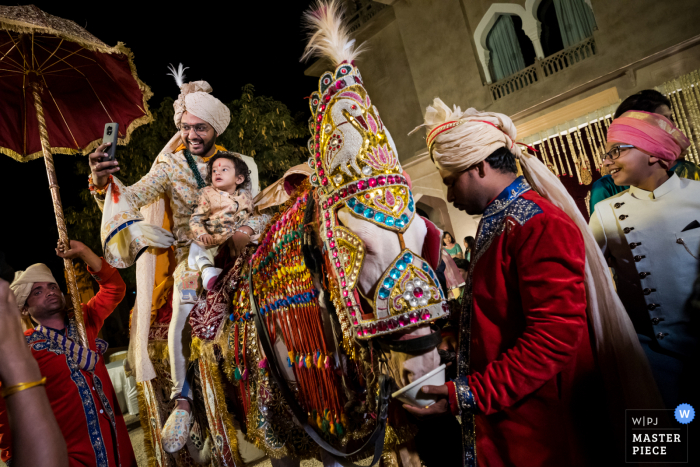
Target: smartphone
[[111, 135]]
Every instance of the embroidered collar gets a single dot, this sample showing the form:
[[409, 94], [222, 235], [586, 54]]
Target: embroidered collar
[[507, 196], [84, 358]]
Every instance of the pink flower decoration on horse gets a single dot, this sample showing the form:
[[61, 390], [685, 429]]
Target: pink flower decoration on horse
[[381, 158]]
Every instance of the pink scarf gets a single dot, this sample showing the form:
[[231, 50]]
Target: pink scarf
[[650, 132]]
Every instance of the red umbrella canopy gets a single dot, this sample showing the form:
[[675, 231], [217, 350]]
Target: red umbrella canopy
[[82, 83]]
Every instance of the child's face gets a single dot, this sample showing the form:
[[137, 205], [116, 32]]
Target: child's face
[[223, 175]]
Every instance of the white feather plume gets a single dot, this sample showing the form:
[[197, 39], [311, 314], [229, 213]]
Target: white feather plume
[[329, 35], [178, 74]]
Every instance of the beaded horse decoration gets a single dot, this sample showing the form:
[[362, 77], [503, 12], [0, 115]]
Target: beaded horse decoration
[[300, 285], [357, 167]]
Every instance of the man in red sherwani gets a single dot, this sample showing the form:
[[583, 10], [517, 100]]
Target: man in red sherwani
[[528, 388], [77, 382]]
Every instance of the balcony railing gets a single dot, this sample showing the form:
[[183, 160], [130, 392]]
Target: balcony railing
[[512, 83], [364, 14], [567, 57], [543, 68]]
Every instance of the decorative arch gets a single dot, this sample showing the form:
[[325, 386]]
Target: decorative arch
[[531, 27], [531, 7], [436, 209]]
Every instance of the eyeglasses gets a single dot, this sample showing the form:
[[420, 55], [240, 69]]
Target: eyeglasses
[[201, 129], [614, 153]]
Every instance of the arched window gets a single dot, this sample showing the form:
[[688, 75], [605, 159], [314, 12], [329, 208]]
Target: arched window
[[504, 45], [564, 23], [551, 35], [526, 45]]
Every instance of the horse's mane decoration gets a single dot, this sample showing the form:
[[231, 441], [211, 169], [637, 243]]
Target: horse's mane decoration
[[357, 167]]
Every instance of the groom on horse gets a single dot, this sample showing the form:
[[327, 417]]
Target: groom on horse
[[178, 174]]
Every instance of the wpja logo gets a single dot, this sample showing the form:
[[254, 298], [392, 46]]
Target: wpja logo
[[658, 435]]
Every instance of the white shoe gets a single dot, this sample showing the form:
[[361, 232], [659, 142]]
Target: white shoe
[[176, 431], [210, 276]]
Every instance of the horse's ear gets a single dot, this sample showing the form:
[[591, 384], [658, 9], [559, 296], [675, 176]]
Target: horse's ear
[[408, 179]]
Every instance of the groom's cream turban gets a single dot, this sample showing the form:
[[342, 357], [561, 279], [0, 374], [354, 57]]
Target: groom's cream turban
[[195, 98], [24, 280]]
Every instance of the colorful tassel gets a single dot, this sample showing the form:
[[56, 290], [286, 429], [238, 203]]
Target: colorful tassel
[[328, 362], [319, 364], [301, 361], [291, 357], [237, 374], [332, 428], [263, 363], [339, 429], [325, 426], [319, 421], [244, 376], [343, 419], [309, 363]]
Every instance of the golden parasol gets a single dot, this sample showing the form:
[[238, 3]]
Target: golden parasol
[[59, 85]]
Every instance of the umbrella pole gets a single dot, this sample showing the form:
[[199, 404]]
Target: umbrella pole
[[60, 220]]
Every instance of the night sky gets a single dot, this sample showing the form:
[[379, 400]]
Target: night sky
[[227, 44]]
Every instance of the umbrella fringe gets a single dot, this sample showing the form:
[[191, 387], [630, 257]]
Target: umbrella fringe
[[36, 155]]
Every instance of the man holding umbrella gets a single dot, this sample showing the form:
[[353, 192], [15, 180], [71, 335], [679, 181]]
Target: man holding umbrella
[[77, 383], [178, 173]]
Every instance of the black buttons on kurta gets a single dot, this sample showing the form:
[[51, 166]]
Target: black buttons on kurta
[[644, 274], [618, 205], [656, 321], [647, 291], [653, 306], [661, 335], [628, 229], [638, 258], [634, 245], [623, 217]]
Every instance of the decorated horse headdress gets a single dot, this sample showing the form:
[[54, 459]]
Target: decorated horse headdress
[[357, 167]]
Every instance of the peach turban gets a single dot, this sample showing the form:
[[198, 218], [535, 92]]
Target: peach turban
[[196, 99], [650, 132], [24, 280]]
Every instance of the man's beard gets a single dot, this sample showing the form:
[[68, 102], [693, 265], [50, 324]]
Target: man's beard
[[206, 146], [57, 307]]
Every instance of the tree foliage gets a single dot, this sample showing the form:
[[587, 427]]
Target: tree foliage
[[261, 127]]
